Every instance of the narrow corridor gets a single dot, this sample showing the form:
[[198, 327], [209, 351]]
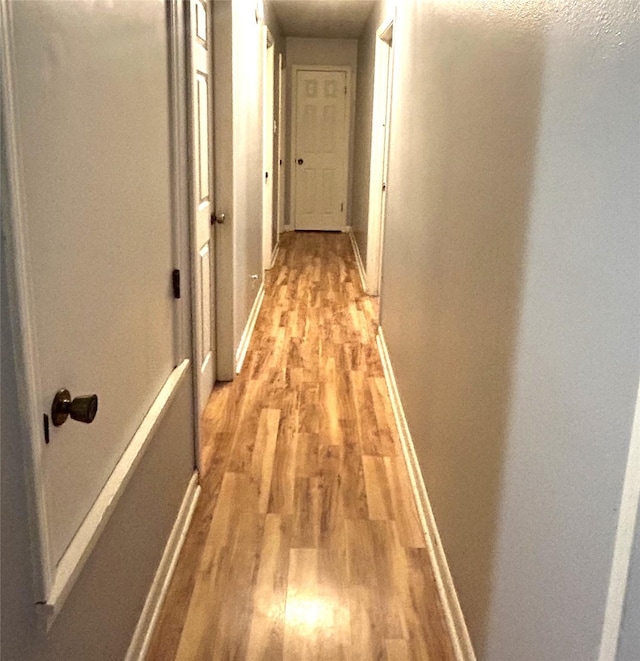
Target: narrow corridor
[[306, 542]]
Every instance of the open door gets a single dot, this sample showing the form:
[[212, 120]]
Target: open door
[[202, 236]]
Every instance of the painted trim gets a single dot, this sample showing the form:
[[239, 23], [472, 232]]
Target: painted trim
[[274, 255], [179, 119], [179, 174], [627, 522], [379, 163], [143, 633], [14, 233], [241, 352], [268, 143], [86, 538], [348, 70], [451, 605], [361, 271], [282, 128]]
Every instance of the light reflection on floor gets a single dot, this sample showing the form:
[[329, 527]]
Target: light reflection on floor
[[308, 614]]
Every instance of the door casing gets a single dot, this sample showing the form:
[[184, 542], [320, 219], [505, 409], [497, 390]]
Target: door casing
[[281, 141], [268, 116], [381, 121]]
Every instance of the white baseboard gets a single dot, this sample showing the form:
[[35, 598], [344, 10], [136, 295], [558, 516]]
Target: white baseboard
[[274, 255], [139, 645], [361, 272], [241, 352], [628, 519], [453, 613]]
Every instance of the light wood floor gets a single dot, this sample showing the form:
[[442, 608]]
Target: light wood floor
[[305, 543]]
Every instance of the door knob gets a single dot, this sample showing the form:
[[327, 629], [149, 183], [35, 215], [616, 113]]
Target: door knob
[[300, 161], [82, 409]]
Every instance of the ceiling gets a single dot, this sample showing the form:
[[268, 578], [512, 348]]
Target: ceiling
[[327, 19]]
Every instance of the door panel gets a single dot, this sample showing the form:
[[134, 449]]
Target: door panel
[[98, 235], [202, 138], [321, 144], [203, 203]]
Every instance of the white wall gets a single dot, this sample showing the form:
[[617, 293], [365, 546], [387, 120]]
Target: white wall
[[247, 58], [329, 52], [510, 301], [101, 611], [362, 128], [247, 161]]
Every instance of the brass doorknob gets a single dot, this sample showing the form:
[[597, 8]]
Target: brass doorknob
[[82, 408]]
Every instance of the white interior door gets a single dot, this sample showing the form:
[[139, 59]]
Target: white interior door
[[203, 199], [320, 151], [96, 305]]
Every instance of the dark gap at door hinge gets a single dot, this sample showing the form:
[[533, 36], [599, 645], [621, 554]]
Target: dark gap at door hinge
[[341, 206], [175, 283], [45, 420], [266, 175]]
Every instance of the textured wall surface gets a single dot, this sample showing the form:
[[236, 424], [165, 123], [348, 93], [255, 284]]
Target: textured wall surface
[[363, 125], [510, 300], [247, 161]]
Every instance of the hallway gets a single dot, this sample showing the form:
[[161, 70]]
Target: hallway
[[305, 543]]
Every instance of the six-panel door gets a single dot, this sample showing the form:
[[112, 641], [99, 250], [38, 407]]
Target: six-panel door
[[320, 165]]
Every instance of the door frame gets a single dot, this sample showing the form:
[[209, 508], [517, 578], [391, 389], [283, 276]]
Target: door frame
[[268, 145], [53, 583], [282, 132], [348, 70], [380, 130]]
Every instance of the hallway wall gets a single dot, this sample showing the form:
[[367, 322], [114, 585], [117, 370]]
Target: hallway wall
[[363, 126], [247, 161], [510, 301], [330, 52], [238, 176]]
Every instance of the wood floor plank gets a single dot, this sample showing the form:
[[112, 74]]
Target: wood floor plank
[[379, 498], [264, 455], [266, 635], [306, 542], [305, 614]]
